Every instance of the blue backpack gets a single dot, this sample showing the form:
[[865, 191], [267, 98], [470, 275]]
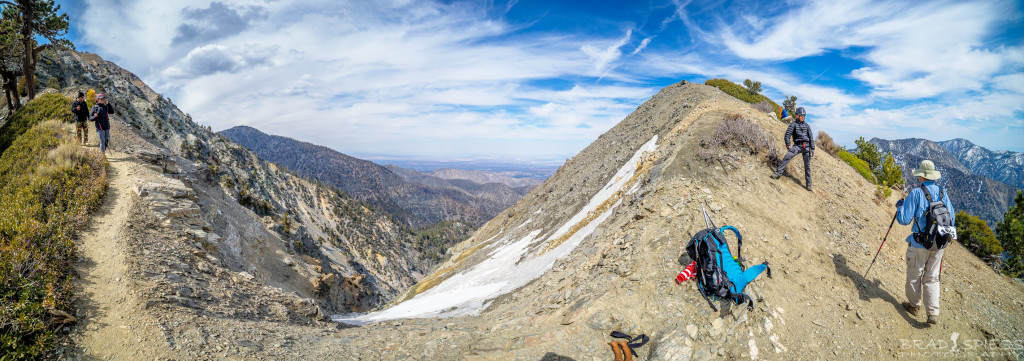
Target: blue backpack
[[718, 274]]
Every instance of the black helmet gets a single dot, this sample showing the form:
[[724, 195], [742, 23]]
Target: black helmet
[[800, 111], [80, 94]]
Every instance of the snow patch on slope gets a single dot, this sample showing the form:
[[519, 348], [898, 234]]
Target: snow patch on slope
[[509, 266]]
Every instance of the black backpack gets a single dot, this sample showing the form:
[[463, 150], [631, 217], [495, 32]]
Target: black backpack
[[938, 229]]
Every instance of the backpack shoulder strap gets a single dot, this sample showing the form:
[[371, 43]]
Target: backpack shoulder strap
[[927, 194], [739, 242]]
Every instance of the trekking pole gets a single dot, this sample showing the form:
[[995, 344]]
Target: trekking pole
[[880, 246]]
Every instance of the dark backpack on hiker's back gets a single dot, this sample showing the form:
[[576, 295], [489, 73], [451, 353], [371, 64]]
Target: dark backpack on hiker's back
[[938, 229], [719, 275]]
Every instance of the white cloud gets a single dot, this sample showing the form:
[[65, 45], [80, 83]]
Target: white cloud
[[430, 77], [914, 49], [602, 55]]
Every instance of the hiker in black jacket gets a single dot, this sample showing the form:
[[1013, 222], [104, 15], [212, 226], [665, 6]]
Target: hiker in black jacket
[[81, 111], [101, 116], [803, 142]]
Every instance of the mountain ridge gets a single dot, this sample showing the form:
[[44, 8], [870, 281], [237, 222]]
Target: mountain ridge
[[416, 198]]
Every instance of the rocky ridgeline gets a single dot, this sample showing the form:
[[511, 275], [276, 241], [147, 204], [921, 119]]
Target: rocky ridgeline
[[621, 211], [361, 256]]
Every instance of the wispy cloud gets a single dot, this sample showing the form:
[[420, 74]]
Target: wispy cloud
[[456, 78]]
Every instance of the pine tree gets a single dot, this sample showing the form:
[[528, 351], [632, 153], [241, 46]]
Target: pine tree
[[10, 58], [888, 172], [867, 152], [38, 18], [1010, 232], [754, 87], [790, 104]]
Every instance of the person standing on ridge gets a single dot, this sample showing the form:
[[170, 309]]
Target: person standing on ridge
[[803, 142], [81, 111], [101, 116], [923, 263]]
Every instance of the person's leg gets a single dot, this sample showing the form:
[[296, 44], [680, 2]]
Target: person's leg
[[915, 267], [102, 135], [931, 282], [785, 160], [807, 167]]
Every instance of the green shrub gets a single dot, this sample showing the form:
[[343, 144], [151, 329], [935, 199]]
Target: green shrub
[[47, 189], [975, 234], [45, 107], [741, 93], [53, 83], [858, 164], [1010, 232]]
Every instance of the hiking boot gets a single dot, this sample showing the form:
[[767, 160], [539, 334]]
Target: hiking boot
[[775, 176], [616, 349], [933, 319], [911, 308]]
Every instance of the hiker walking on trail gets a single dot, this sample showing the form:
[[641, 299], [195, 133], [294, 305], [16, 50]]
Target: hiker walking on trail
[[928, 207], [100, 114], [81, 111], [803, 143]]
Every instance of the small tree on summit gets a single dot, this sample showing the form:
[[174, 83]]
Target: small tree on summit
[[789, 104], [754, 87]]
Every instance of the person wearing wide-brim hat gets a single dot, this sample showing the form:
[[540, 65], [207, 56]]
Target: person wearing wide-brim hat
[[923, 264]]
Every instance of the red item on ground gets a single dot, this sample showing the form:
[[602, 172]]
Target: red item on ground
[[687, 273]]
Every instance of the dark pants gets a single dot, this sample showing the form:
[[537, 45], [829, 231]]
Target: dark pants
[[793, 151]]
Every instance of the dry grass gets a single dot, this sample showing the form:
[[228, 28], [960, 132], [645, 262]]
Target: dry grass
[[825, 142], [737, 135], [764, 106]]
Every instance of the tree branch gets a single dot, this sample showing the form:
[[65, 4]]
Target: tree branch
[[8, 3]]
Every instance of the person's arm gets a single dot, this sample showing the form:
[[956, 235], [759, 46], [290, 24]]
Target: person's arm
[[949, 207], [810, 135], [905, 213], [789, 133]]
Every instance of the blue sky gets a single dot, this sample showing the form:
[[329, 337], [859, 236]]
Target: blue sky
[[540, 80]]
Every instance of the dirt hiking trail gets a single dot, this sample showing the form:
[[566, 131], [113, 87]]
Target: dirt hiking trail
[[112, 323]]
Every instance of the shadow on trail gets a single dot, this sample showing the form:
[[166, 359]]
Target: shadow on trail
[[551, 356], [872, 289]]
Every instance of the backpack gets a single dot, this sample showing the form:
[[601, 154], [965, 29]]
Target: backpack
[[718, 274], [938, 228]]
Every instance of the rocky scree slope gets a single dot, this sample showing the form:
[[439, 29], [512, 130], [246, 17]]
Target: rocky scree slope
[[335, 249], [979, 195], [415, 198], [596, 247]]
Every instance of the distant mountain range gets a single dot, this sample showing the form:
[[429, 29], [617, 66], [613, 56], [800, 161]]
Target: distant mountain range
[[416, 198], [979, 181], [1001, 165]]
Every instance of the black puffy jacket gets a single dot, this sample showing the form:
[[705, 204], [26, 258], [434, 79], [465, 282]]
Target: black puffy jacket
[[82, 114], [800, 133]]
